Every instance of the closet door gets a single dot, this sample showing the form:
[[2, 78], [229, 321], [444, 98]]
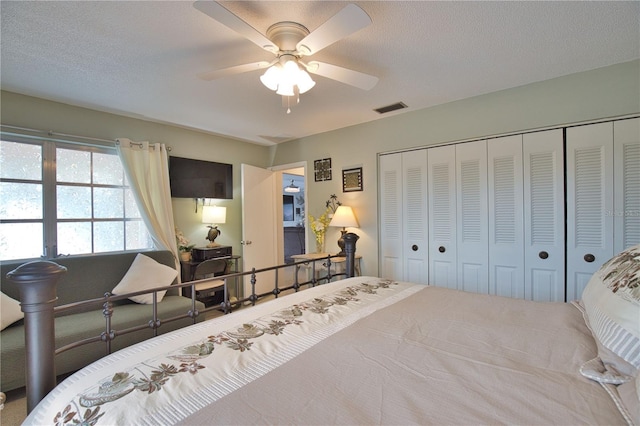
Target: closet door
[[589, 198], [626, 161], [472, 218], [544, 247], [506, 213], [390, 205], [415, 236], [403, 216], [442, 216]]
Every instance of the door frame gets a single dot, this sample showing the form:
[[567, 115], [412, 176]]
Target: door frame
[[280, 169]]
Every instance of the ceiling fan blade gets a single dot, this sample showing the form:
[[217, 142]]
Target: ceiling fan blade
[[222, 15], [238, 69], [346, 22], [343, 75]]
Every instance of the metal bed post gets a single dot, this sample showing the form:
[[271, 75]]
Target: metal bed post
[[253, 298], [108, 334], [37, 282], [350, 251]]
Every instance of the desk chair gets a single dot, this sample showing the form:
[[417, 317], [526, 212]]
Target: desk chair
[[206, 292]]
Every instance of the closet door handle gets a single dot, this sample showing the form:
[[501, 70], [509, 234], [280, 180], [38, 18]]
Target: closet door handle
[[543, 255], [441, 249], [589, 258], [414, 247]]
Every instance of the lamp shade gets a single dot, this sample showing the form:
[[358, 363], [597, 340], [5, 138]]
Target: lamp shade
[[214, 214], [344, 217]]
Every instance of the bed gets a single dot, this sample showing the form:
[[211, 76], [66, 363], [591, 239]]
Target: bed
[[367, 350]]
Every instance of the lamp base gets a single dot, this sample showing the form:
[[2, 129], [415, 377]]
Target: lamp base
[[341, 242]]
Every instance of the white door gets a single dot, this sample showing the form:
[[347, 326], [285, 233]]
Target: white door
[[626, 213], [259, 233], [404, 245], [506, 216], [544, 247], [589, 197], [391, 243], [472, 219], [442, 215], [415, 247]]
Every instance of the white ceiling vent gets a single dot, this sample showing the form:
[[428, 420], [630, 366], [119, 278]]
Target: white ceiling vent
[[389, 108]]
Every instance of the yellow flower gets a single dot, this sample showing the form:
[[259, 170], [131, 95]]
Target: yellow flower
[[319, 225]]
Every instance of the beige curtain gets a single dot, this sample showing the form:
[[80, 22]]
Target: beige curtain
[[147, 169]]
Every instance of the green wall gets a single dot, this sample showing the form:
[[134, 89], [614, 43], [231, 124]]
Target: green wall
[[24, 111], [607, 92]]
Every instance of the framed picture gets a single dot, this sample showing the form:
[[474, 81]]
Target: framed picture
[[352, 180], [322, 169]]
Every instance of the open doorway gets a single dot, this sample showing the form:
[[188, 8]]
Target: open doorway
[[293, 213]]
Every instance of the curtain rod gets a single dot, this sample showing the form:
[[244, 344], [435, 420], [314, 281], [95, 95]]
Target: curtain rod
[[141, 145], [51, 133]]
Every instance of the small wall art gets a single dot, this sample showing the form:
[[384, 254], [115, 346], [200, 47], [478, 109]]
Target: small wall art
[[352, 180], [322, 169]]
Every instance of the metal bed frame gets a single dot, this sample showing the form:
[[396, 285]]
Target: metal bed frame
[[38, 281]]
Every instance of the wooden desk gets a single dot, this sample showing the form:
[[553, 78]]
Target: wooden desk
[[337, 263]]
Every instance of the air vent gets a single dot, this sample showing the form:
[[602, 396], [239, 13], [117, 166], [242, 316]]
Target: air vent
[[389, 108]]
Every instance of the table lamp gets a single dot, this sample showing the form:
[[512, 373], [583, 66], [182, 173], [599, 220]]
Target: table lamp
[[213, 215], [343, 217]]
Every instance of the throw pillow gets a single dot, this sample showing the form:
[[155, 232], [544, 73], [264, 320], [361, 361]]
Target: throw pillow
[[612, 305], [144, 274], [10, 311]]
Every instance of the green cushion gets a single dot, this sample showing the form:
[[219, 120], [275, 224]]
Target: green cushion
[[88, 277]]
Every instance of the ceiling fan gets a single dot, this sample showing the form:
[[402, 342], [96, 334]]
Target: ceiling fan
[[291, 42]]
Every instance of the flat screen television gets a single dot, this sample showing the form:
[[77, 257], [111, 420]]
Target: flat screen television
[[190, 178]]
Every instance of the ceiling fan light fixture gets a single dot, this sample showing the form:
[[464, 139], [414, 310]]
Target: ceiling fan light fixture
[[290, 70], [287, 78], [292, 187], [271, 77], [285, 89], [290, 42], [305, 83]]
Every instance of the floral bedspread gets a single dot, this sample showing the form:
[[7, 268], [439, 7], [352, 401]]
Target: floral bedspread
[[165, 379]]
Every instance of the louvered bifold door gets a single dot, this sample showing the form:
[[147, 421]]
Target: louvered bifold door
[[544, 249], [472, 217], [506, 216], [415, 242], [442, 216], [589, 203], [390, 187], [626, 212]]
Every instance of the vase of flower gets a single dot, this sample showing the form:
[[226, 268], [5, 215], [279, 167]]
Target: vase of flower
[[320, 224], [319, 227], [184, 248], [320, 243]]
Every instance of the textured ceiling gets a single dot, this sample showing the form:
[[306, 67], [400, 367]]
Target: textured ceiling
[[141, 58]]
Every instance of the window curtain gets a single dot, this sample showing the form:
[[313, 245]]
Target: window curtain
[[147, 169]]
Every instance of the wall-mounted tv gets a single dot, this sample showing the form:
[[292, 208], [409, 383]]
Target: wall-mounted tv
[[200, 179]]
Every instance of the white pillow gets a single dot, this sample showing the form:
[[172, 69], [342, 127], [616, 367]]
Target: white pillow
[[10, 311], [612, 305], [144, 274]]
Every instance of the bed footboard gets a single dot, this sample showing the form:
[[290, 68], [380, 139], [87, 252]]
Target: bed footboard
[[38, 281]]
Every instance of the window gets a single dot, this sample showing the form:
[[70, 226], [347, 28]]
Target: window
[[65, 199]]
